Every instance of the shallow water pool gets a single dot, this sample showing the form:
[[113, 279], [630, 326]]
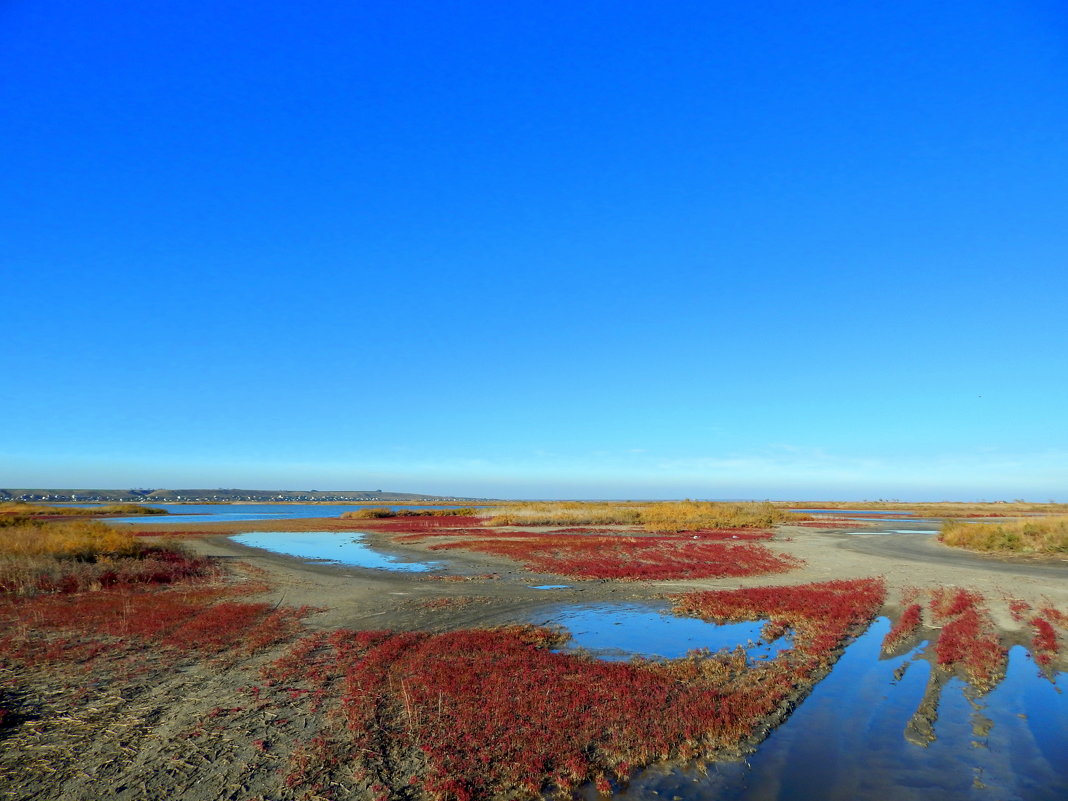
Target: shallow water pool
[[340, 547], [620, 631], [859, 737]]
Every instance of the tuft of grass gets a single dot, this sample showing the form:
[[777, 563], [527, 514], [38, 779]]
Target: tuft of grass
[[1046, 535]]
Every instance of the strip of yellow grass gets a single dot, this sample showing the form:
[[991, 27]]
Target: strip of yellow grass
[[944, 509], [694, 515], [83, 540], [1047, 535], [125, 509], [565, 513], [667, 516]]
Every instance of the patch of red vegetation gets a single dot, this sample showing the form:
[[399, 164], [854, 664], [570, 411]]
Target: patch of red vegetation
[[1055, 616], [495, 713], [674, 556], [581, 530], [185, 621], [418, 523], [1019, 609], [1044, 644], [153, 566], [968, 640], [457, 532], [905, 627]]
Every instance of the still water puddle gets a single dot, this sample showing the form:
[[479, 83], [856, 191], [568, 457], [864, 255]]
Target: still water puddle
[[549, 586], [620, 631], [340, 547], [863, 735]]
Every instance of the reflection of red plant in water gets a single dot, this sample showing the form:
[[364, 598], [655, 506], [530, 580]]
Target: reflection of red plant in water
[[495, 712], [904, 628]]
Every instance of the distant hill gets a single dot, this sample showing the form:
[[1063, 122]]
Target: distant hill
[[214, 495]]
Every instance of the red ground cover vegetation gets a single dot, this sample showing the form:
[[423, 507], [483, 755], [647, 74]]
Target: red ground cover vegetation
[[968, 639], [496, 713], [1044, 644], [151, 566], [701, 554], [415, 524], [51, 628], [905, 627]]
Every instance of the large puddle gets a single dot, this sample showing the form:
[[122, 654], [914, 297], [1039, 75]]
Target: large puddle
[[859, 737], [621, 631], [339, 547]]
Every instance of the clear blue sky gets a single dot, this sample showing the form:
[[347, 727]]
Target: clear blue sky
[[537, 249]]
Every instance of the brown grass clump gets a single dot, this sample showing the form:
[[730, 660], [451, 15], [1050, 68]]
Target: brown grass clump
[[1048, 535], [666, 516]]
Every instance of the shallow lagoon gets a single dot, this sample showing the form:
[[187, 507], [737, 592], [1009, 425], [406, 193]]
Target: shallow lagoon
[[340, 547], [237, 513]]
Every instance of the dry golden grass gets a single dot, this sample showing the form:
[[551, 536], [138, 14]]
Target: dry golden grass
[[694, 515], [565, 513], [125, 509], [666, 516], [944, 509], [76, 539], [1047, 535]]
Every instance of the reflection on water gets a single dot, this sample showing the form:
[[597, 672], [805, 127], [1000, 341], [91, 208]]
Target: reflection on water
[[343, 547], [620, 631], [240, 512], [878, 729]]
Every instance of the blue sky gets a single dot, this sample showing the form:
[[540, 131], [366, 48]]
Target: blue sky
[[537, 249]]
